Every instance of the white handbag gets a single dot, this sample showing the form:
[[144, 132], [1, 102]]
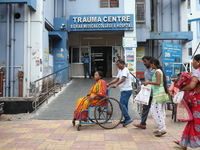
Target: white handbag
[[178, 97], [143, 96]]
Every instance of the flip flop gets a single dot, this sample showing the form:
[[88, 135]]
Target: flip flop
[[159, 134], [155, 131], [177, 143]]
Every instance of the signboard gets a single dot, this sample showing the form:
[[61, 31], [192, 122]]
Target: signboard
[[101, 22], [171, 53], [130, 59], [129, 42]]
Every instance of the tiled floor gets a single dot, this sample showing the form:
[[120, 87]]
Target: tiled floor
[[60, 134]]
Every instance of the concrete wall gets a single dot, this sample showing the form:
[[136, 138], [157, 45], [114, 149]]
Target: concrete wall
[[80, 7], [142, 30], [169, 17], [30, 38], [194, 20]]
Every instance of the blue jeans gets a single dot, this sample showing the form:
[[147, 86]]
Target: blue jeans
[[125, 95], [86, 70]]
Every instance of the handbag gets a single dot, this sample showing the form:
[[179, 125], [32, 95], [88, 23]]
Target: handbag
[[178, 97], [143, 96], [189, 96], [183, 112]]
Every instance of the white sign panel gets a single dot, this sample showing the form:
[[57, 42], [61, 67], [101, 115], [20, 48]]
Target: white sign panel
[[129, 42]]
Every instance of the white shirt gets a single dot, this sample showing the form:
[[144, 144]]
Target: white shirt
[[126, 85]]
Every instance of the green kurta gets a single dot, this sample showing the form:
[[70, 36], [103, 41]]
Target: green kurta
[[159, 94]]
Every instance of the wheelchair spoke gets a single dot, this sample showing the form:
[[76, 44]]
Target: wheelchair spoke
[[108, 115]]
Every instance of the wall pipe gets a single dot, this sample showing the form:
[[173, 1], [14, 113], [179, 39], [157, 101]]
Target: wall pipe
[[55, 9], [12, 51], [179, 15], [20, 83], [4, 85], [28, 52], [157, 26], [25, 53], [21, 67], [64, 3], [7, 52], [171, 7], [1, 82], [162, 14]]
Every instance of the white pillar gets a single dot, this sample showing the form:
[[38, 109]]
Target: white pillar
[[129, 8]]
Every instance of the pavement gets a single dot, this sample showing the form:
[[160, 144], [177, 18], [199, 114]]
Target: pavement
[[50, 127]]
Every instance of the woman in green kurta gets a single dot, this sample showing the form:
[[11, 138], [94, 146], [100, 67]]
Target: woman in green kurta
[[160, 96]]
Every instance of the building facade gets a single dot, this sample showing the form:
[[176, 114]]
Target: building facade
[[194, 25], [40, 37]]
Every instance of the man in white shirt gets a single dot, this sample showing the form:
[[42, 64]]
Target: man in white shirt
[[123, 80]]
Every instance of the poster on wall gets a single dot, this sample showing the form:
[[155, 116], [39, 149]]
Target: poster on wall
[[129, 59], [50, 60], [171, 59], [140, 52], [130, 56], [46, 57]]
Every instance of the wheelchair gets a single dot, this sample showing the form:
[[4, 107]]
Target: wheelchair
[[107, 113]]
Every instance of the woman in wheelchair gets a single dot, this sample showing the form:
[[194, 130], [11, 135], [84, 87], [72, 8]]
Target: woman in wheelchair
[[97, 90]]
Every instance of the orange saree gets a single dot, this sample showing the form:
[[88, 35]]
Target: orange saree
[[99, 88]]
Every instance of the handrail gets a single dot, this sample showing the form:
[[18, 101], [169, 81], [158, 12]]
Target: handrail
[[137, 80], [45, 87], [135, 84], [196, 50], [51, 74]]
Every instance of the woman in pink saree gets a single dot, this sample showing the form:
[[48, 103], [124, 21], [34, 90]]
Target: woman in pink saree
[[191, 133]]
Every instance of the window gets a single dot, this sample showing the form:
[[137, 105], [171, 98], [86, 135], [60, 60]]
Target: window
[[189, 26], [140, 11], [198, 29], [75, 55], [188, 4], [109, 3], [50, 46], [190, 51]]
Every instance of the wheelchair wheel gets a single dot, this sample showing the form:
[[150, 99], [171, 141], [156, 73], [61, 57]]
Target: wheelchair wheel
[[73, 122], [108, 113]]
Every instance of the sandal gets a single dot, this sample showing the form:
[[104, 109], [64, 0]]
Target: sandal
[[159, 134], [155, 131], [177, 143]]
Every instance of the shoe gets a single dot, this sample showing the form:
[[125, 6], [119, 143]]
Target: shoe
[[169, 109], [123, 121], [127, 122], [155, 131], [140, 126], [177, 143], [159, 134]]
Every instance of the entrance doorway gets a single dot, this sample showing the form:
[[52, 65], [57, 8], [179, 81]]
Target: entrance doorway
[[101, 59]]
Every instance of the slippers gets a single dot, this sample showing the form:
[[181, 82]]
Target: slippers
[[177, 143], [159, 134], [155, 131]]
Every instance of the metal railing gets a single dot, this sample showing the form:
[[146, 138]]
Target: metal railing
[[136, 84], [46, 87]]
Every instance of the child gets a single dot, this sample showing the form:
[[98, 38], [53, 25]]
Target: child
[[173, 90]]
